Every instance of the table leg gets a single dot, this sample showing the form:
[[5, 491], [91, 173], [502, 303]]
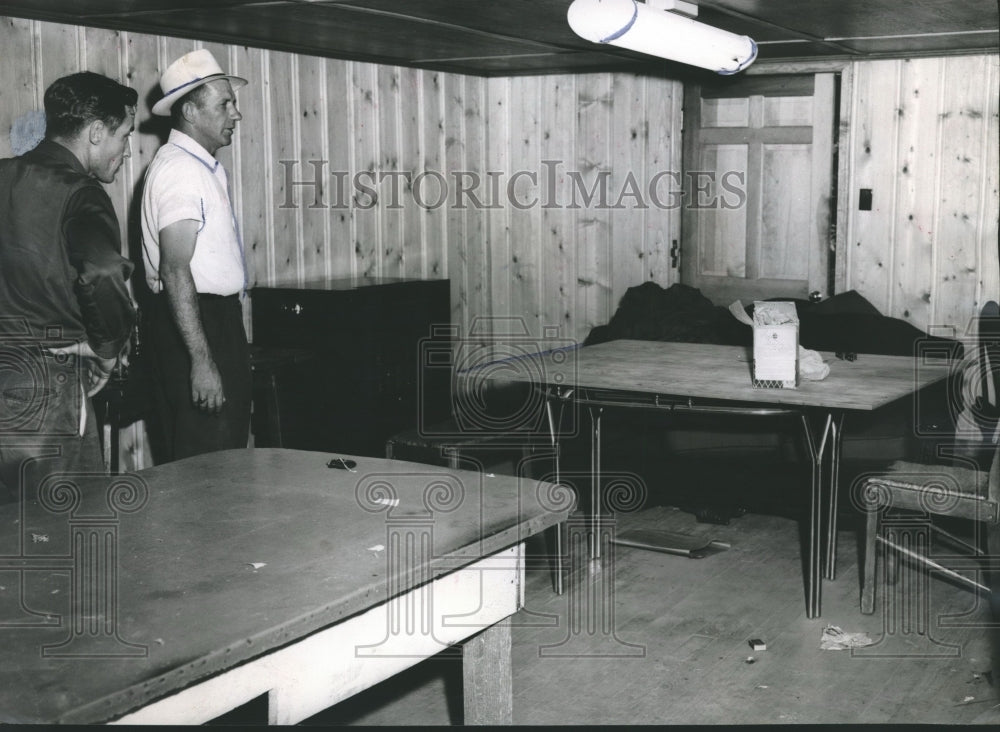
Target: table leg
[[816, 444], [487, 677], [836, 435], [554, 427], [595, 481]]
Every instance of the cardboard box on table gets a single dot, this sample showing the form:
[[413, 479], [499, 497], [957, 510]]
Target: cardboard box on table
[[775, 345]]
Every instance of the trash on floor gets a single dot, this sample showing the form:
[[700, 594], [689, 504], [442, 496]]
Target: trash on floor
[[835, 639], [986, 676]]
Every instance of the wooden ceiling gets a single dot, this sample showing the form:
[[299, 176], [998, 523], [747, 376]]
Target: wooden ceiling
[[515, 37]]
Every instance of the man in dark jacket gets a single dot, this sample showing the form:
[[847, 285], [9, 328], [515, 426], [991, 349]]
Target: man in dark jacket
[[65, 310]]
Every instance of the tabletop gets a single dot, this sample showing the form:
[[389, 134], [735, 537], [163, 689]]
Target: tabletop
[[222, 557], [716, 372]]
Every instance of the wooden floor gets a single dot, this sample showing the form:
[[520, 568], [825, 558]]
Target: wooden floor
[[674, 650]]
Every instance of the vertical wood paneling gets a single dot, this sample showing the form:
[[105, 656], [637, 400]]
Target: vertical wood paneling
[[410, 121], [925, 140], [466, 293], [990, 265], [823, 183], [17, 82], [965, 110], [922, 134], [57, 54], [916, 201], [557, 243], [478, 113], [102, 51], [498, 143], [466, 133], [340, 149], [284, 112], [254, 203], [521, 200], [594, 102], [663, 118], [389, 169], [875, 120], [150, 132], [629, 137], [555, 265], [368, 203], [314, 202], [844, 180], [435, 240]]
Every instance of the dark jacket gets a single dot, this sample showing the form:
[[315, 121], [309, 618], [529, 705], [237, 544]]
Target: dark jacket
[[62, 276]]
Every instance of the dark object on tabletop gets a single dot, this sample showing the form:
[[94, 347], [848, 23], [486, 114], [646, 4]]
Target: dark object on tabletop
[[680, 313]]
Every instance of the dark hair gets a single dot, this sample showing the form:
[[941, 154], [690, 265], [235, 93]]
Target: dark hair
[[79, 99], [196, 95]]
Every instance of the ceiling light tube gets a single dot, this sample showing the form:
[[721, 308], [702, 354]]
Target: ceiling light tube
[[638, 27]]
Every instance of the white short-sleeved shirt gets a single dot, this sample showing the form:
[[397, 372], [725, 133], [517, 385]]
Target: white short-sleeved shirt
[[185, 182]]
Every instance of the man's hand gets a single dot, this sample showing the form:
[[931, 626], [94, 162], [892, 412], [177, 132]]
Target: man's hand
[[206, 387], [98, 369], [177, 243]]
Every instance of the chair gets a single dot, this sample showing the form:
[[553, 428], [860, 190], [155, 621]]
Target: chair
[[967, 486]]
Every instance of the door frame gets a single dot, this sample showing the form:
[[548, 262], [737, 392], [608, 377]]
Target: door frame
[[845, 70], [843, 146]]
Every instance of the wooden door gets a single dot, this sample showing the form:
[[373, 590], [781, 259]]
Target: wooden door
[[759, 187]]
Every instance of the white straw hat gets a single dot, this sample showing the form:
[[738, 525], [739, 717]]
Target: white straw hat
[[189, 72]]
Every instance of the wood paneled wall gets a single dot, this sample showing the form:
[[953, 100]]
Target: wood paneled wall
[[515, 160], [925, 138], [519, 157]]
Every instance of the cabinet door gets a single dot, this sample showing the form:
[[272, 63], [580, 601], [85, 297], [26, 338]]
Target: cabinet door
[[759, 183], [370, 376]]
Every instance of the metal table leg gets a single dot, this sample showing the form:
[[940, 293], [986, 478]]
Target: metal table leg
[[595, 481], [837, 434], [555, 424], [816, 444]]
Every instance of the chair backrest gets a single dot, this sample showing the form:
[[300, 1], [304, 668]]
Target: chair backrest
[[986, 378], [987, 403]]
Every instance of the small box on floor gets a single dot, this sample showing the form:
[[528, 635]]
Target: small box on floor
[[775, 345]]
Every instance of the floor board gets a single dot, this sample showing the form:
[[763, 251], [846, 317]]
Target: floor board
[[675, 648]]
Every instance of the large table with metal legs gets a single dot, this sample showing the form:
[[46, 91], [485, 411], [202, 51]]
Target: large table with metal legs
[[178, 593], [715, 379]]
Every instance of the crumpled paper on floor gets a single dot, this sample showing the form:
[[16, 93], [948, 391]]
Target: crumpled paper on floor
[[835, 639]]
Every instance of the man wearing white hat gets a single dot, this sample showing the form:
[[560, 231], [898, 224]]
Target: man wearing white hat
[[195, 263]]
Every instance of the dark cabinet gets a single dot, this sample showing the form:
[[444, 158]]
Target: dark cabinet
[[376, 366]]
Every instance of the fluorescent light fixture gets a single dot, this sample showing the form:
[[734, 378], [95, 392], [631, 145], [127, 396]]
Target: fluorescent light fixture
[[639, 27]]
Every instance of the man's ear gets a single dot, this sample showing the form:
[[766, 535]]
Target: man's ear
[[96, 131], [188, 108]]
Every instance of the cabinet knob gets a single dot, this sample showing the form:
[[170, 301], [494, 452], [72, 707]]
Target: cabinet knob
[[296, 308]]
